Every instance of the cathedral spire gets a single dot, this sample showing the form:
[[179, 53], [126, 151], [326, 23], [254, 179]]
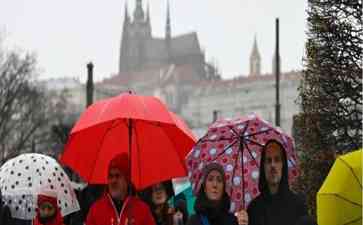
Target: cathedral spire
[[126, 16], [168, 27], [148, 13], [255, 60], [255, 52], [139, 12]]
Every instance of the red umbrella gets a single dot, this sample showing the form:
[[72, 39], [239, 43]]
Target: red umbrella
[[236, 145], [156, 140]]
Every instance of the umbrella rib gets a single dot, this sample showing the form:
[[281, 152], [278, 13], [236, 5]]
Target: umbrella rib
[[347, 200], [234, 172], [101, 143], [234, 131], [256, 143], [242, 165], [351, 169], [260, 132], [245, 129], [353, 221], [225, 149], [249, 151], [217, 140]]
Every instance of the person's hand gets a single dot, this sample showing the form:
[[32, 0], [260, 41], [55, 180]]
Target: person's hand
[[177, 218], [171, 210], [242, 217]]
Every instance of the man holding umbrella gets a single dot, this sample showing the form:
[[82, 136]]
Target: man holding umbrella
[[276, 204], [116, 206]]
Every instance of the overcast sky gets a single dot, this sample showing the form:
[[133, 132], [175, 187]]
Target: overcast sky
[[66, 34]]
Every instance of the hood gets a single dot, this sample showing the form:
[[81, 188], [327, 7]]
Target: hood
[[57, 219], [284, 183]]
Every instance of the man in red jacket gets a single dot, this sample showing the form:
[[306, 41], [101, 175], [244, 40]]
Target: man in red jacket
[[116, 207]]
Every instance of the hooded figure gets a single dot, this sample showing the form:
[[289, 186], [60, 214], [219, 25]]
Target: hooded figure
[[157, 197], [48, 212], [276, 204], [117, 206], [213, 203], [5, 215]]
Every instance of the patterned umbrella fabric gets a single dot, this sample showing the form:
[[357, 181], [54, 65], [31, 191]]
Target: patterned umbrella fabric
[[236, 145], [25, 176]]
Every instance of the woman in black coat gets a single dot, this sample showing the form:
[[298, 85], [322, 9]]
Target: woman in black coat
[[213, 203], [5, 215]]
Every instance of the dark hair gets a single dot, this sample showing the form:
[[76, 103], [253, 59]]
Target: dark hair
[[181, 206], [146, 195]]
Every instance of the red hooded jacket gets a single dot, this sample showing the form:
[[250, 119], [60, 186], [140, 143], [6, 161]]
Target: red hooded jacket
[[58, 220], [134, 212]]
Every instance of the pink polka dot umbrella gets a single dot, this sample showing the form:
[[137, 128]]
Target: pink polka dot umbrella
[[236, 145]]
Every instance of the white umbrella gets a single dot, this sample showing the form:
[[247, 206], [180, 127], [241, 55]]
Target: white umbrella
[[25, 176]]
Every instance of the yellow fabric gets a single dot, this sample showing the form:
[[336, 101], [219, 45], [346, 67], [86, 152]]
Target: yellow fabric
[[339, 200]]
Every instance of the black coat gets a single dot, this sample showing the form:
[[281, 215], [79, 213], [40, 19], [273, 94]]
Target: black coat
[[228, 219], [216, 215], [5, 214], [282, 208]]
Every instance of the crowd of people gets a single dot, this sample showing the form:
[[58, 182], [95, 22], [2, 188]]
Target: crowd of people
[[119, 204]]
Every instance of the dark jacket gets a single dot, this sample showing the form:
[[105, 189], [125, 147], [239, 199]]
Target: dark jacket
[[5, 215], [216, 215], [282, 208], [167, 217]]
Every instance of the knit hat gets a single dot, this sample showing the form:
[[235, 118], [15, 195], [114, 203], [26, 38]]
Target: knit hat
[[209, 168], [121, 162]]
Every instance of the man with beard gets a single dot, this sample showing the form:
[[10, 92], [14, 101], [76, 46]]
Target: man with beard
[[276, 204], [117, 206]]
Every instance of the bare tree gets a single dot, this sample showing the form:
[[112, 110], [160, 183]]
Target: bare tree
[[21, 103]]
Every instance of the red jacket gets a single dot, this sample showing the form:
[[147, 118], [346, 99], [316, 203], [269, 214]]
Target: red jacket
[[58, 220], [134, 212]]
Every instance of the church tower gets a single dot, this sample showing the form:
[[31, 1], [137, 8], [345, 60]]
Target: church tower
[[134, 35], [255, 60], [168, 34]]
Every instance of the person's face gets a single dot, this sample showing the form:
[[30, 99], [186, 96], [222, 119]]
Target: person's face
[[46, 210], [117, 184], [273, 164], [159, 195], [214, 186]]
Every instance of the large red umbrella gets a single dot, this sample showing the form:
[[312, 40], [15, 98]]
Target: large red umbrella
[[156, 140]]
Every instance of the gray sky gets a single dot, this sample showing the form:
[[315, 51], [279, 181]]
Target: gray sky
[[66, 34]]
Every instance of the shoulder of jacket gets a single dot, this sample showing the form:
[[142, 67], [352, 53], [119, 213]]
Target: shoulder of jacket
[[100, 202], [194, 220], [138, 203]]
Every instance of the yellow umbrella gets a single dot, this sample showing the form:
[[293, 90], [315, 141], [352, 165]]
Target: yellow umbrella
[[339, 200]]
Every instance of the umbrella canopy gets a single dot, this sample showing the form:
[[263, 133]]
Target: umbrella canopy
[[156, 140], [26, 176], [236, 145], [339, 200]]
